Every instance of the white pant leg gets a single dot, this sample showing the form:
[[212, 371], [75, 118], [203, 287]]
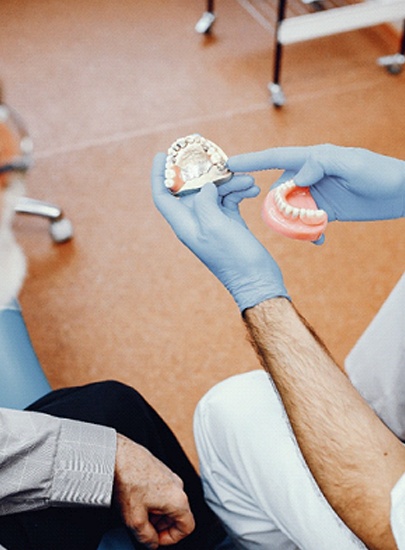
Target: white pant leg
[[254, 475], [376, 364]]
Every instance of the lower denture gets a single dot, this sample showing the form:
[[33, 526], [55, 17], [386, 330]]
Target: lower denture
[[291, 211]]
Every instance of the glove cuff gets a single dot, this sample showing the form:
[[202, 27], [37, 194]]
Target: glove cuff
[[252, 297]]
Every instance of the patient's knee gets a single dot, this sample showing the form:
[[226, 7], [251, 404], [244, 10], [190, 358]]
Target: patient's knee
[[237, 403]]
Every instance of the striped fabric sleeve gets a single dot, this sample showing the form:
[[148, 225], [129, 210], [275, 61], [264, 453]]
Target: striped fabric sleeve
[[84, 465], [48, 461]]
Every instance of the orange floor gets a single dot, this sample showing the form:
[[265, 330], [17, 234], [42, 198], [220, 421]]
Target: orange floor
[[105, 85]]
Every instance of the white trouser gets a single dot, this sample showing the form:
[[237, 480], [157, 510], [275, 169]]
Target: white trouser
[[254, 475]]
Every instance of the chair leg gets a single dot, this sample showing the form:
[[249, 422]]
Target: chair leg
[[276, 91], [206, 21], [60, 228], [394, 63]]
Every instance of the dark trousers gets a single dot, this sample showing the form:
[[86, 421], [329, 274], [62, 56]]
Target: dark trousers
[[121, 407]]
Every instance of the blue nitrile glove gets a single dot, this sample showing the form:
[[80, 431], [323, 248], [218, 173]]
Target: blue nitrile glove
[[210, 225], [350, 184]]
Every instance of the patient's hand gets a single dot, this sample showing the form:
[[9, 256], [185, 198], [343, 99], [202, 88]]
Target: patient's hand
[[150, 496]]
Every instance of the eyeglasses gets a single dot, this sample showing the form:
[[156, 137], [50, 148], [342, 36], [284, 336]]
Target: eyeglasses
[[15, 143]]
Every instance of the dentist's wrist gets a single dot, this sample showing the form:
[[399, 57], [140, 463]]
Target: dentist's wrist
[[249, 295]]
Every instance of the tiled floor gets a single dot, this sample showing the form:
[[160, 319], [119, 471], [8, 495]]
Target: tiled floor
[[105, 85]]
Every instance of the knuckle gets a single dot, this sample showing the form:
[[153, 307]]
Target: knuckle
[[178, 480], [137, 522], [181, 501]]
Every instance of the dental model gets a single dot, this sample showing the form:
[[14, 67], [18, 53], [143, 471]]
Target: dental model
[[291, 211], [192, 162]]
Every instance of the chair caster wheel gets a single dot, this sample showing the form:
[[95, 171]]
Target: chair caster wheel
[[394, 69], [204, 25], [277, 94], [61, 230], [393, 63]]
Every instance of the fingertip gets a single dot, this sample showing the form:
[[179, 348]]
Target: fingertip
[[233, 163], [310, 173], [246, 162], [256, 190], [287, 176], [209, 189], [301, 179], [251, 192], [319, 241]]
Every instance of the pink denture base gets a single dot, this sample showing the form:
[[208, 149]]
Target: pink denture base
[[304, 226]]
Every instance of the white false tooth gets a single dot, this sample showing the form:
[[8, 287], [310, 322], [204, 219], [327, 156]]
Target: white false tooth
[[295, 212], [288, 209], [282, 206], [215, 158], [319, 213], [278, 198], [282, 193], [169, 183]]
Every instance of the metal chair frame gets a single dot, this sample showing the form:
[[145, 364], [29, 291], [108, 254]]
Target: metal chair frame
[[393, 63], [60, 228]]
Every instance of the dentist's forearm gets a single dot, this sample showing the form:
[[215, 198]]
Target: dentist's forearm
[[353, 456]]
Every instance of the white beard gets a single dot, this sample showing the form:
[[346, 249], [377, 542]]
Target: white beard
[[12, 259]]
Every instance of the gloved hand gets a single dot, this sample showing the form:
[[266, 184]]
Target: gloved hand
[[210, 225], [350, 184]]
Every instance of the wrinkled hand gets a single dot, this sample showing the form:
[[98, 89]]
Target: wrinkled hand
[[210, 225], [350, 184], [150, 496]]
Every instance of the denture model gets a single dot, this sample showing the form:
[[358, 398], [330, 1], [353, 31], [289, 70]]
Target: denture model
[[291, 211], [192, 162]]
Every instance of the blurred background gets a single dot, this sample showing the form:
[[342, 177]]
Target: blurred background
[[102, 87]]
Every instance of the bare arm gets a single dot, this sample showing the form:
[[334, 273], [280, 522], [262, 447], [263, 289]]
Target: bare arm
[[354, 457]]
